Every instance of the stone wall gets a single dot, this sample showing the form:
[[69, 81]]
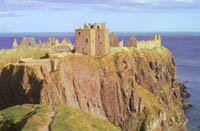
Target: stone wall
[[44, 62], [155, 41]]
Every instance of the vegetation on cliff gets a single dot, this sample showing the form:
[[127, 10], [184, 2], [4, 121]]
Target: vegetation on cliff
[[13, 55], [44, 117], [135, 89]]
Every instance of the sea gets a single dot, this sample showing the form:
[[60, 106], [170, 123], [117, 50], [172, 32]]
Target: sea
[[185, 47]]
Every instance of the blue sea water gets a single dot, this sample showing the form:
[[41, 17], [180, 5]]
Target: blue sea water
[[184, 46]]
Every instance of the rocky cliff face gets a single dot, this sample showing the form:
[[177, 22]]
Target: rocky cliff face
[[134, 89]]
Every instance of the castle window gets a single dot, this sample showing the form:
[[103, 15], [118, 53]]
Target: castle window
[[100, 43], [83, 50], [98, 36], [86, 40], [79, 33]]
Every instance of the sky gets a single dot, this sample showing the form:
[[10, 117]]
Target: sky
[[120, 15]]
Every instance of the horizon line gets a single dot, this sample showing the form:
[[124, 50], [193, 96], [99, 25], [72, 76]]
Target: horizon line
[[110, 32]]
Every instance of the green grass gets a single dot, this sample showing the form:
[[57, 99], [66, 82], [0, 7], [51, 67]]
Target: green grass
[[37, 118], [16, 113], [13, 118], [71, 119], [13, 55]]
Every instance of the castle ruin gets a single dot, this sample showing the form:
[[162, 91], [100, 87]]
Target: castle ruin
[[92, 39], [15, 44], [155, 41], [27, 41]]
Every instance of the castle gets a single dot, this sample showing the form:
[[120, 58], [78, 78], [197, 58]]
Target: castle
[[155, 41], [92, 39]]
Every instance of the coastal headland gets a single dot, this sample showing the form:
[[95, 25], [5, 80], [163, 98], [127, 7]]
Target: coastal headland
[[99, 85]]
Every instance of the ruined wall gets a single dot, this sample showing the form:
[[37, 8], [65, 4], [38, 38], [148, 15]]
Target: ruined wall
[[155, 41], [44, 62], [148, 44], [132, 42], [15, 44], [54, 64]]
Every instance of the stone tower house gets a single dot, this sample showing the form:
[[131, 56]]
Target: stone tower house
[[92, 39]]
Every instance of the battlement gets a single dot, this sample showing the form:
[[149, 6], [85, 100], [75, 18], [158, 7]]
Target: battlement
[[155, 41], [94, 26]]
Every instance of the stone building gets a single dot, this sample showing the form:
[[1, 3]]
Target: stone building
[[132, 42], [27, 41], [113, 40], [155, 41], [15, 44], [92, 39]]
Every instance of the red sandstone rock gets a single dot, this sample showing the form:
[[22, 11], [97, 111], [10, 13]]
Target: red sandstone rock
[[132, 89]]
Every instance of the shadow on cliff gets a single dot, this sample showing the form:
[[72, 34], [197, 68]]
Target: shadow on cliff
[[17, 86]]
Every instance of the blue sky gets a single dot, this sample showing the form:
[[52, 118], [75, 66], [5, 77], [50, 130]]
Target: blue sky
[[120, 15]]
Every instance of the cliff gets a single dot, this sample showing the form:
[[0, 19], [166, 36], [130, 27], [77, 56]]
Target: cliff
[[135, 89]]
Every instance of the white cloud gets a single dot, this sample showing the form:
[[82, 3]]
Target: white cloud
[[9, 14], [117, 5]]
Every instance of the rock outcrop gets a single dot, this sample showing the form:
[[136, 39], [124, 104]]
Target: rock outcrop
[[134, 89]]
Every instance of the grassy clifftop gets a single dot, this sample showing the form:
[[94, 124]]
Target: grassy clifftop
[[13, 55], [43, 117]]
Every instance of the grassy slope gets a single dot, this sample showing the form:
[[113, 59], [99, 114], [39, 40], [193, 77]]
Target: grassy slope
[[72, 119], [37, 118]]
